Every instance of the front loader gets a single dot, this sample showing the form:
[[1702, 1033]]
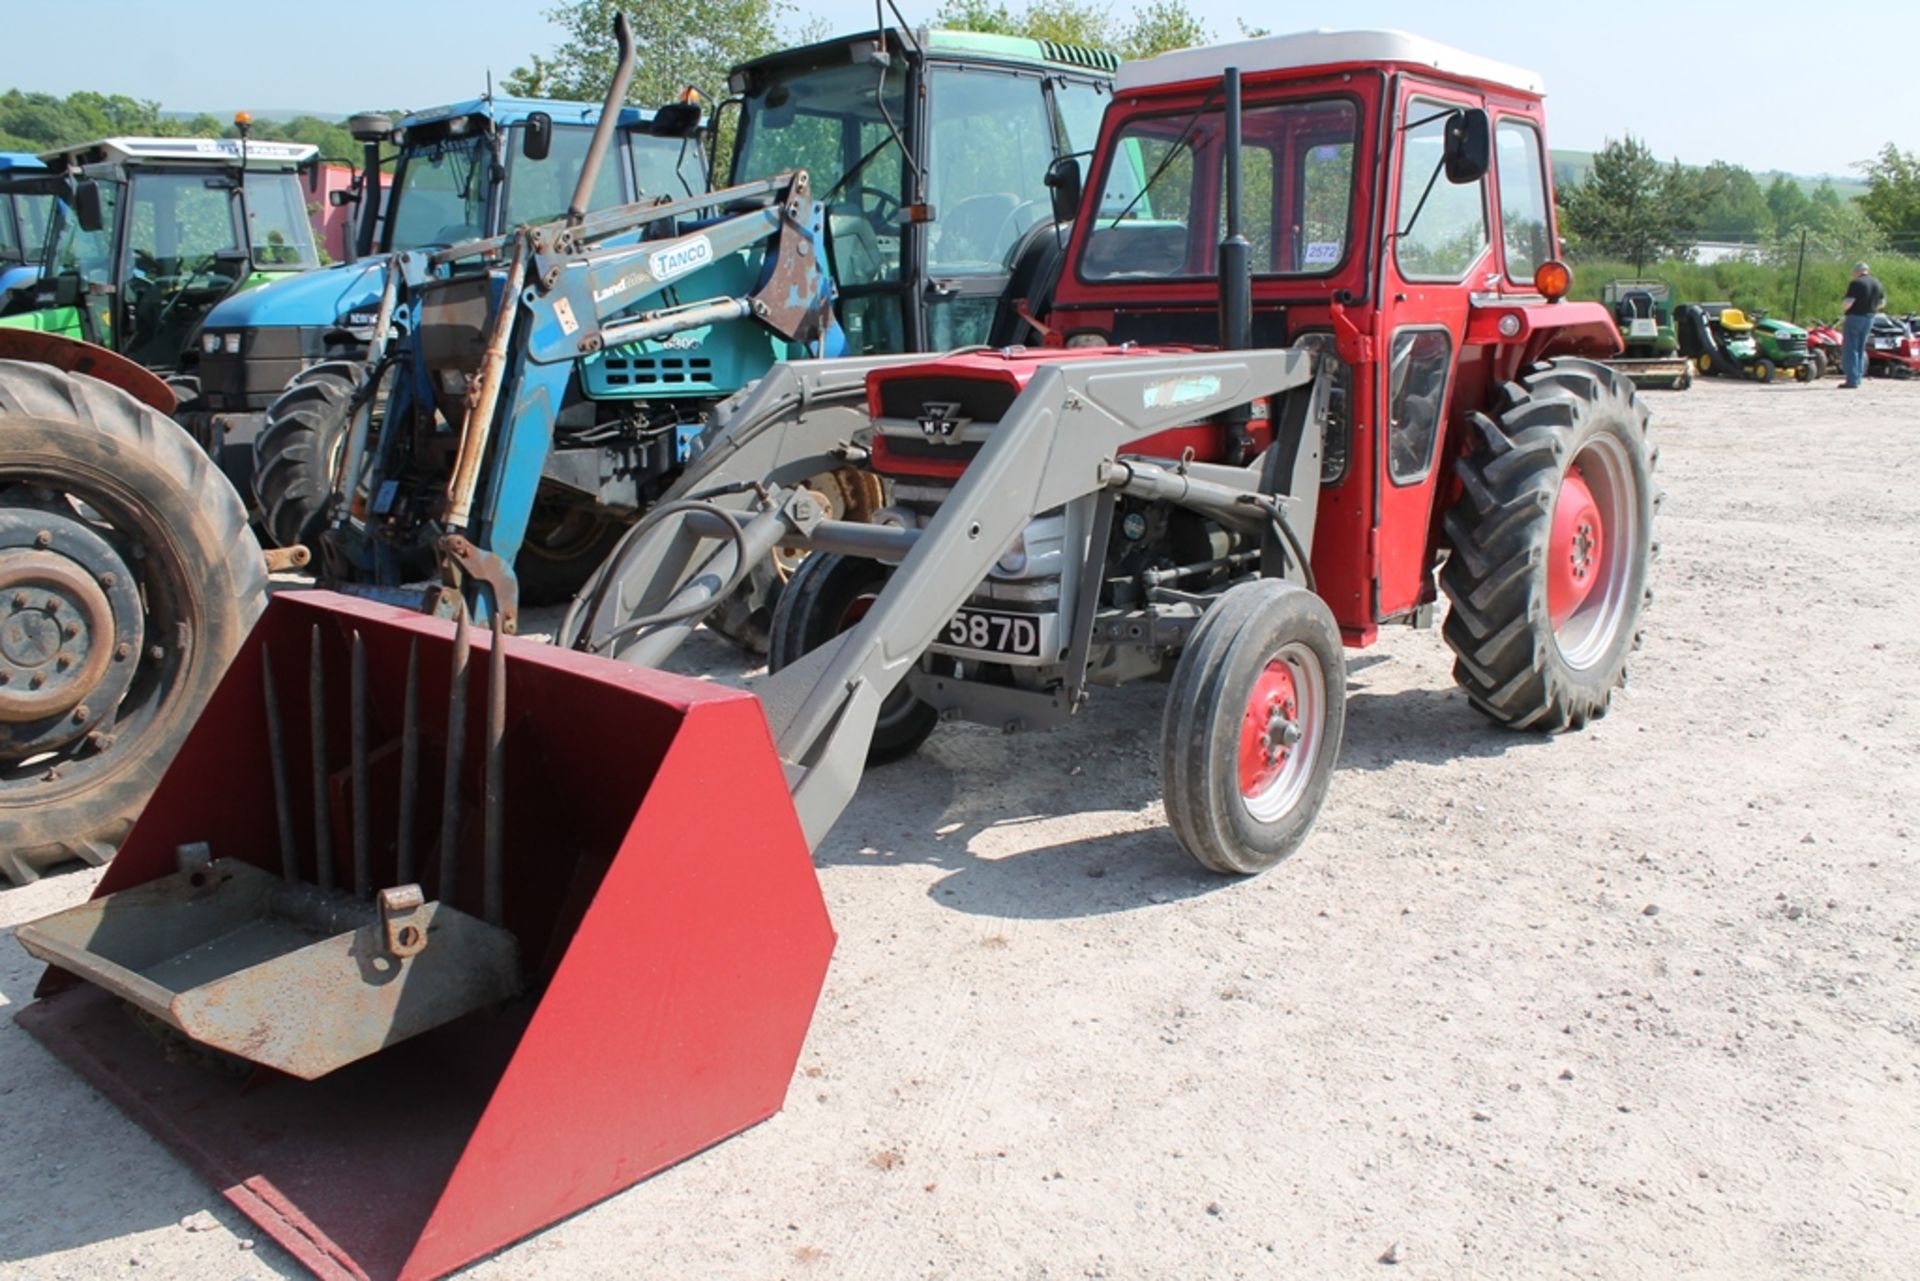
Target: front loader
[[538, 976]]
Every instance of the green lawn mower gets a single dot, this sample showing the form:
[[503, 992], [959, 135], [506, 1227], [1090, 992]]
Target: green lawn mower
[[1723, 339], [1644, 311]]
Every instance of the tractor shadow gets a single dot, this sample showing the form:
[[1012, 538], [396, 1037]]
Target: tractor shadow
[[980, 807]]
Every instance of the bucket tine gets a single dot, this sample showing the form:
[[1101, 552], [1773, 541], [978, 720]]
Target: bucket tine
[[409, 765], [456, 753], [277, 753], [362, 837], [322, 812], [496, 796]]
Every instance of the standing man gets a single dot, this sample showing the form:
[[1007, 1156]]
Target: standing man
[[1864, 297]]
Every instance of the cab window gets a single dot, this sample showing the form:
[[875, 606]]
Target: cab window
[[1161, 210], [670, 167], [1520, 165], [1450, 232], [541, 190], [277, 226], [987, 167]]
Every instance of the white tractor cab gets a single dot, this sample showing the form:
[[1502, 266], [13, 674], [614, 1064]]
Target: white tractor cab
[[160, 230]]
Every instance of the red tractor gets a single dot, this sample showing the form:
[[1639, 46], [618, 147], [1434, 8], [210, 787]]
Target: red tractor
[[1227, 457]]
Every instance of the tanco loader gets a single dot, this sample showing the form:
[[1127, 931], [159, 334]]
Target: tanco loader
[[500, 928]]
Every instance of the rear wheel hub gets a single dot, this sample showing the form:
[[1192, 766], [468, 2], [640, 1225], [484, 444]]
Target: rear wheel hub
[[70, 631], [1576, 549]]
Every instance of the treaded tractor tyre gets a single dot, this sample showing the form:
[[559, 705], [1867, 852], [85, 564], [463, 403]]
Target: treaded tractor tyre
[[1551, 547], [562, 548], [298, 449], [1252, 727], [127, 581], [826, 595]]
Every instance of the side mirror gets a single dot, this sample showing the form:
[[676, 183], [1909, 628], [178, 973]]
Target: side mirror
[[1468, 152], [340, 196], [675, 120], [1063, 184], [536, 136], [87, 208]]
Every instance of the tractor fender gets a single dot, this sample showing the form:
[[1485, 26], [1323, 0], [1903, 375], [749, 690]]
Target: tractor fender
[[1556, 329], [77, 357]]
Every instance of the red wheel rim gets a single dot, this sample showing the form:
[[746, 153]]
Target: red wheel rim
[[1576, 549], [1270, 728]]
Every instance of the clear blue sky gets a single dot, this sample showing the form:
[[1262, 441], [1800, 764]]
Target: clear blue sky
[[1696, 78]]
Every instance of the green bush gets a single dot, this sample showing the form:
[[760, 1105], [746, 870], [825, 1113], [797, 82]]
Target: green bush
[[1755, 286]]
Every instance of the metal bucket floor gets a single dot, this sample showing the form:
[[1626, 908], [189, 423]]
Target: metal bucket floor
[[342, 1171]]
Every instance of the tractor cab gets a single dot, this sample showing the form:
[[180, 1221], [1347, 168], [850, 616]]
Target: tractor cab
[[1397, 219], [162, 229], [931, 151], [462, 172], [26, 213]]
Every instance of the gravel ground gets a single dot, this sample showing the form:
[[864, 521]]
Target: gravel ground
[[1639, 1001]]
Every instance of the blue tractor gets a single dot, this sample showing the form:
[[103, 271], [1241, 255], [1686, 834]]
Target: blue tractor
[[463, 172], [929, 153]]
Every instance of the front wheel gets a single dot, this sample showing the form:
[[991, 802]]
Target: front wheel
[[829, 594], [1252, 727], [1552, 543], [297, 455], [127, 581], [1816, 366]]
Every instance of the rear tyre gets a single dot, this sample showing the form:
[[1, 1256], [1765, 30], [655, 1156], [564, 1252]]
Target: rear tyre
[[1762, 370], [827, 595], [1816, 366], [127, 581], [298, 451], [1253, 723], [1552, 542]]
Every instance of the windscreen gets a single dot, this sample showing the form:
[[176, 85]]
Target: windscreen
[[441, 194], [1161, 192], [829, 122], [277, 226]]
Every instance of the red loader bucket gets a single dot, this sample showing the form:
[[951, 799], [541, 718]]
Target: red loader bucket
[[418, 1048]]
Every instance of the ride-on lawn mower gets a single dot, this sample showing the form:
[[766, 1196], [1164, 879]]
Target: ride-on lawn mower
[[1723, 339], [1644, 311], [481, 970]]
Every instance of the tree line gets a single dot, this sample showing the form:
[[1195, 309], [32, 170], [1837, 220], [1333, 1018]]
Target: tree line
[[36, 122], [1632, 208]]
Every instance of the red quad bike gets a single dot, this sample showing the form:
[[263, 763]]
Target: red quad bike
[[1229, 460], [1827, 341]]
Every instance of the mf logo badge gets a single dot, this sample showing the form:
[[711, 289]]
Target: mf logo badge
[[940, 419], [678, 260]]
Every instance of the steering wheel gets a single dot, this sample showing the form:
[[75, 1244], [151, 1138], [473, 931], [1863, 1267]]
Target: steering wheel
[[885, 212], [1007, 235]]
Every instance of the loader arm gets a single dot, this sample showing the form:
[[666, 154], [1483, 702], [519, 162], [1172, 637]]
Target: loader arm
[[574, 291], [1063, 438]]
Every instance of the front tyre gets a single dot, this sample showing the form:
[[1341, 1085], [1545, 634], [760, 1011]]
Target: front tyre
[[829, 594], [1552, 544], [297, 454], [1253, 722], [127, 581]]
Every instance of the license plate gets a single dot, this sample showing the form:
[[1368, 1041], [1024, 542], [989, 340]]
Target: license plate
[[993, 632]]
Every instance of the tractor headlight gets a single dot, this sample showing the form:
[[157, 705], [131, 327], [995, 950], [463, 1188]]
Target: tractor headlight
[[231, 342], [209, 343], [1014, 560]]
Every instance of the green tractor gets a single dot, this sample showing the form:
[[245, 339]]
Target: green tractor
[[1644, 311], [156, 232]]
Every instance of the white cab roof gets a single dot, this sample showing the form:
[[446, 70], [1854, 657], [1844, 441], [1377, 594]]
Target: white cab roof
[[202, 150], [1320, 49]]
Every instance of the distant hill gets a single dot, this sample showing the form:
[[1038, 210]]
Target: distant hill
[[1571, 166]]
